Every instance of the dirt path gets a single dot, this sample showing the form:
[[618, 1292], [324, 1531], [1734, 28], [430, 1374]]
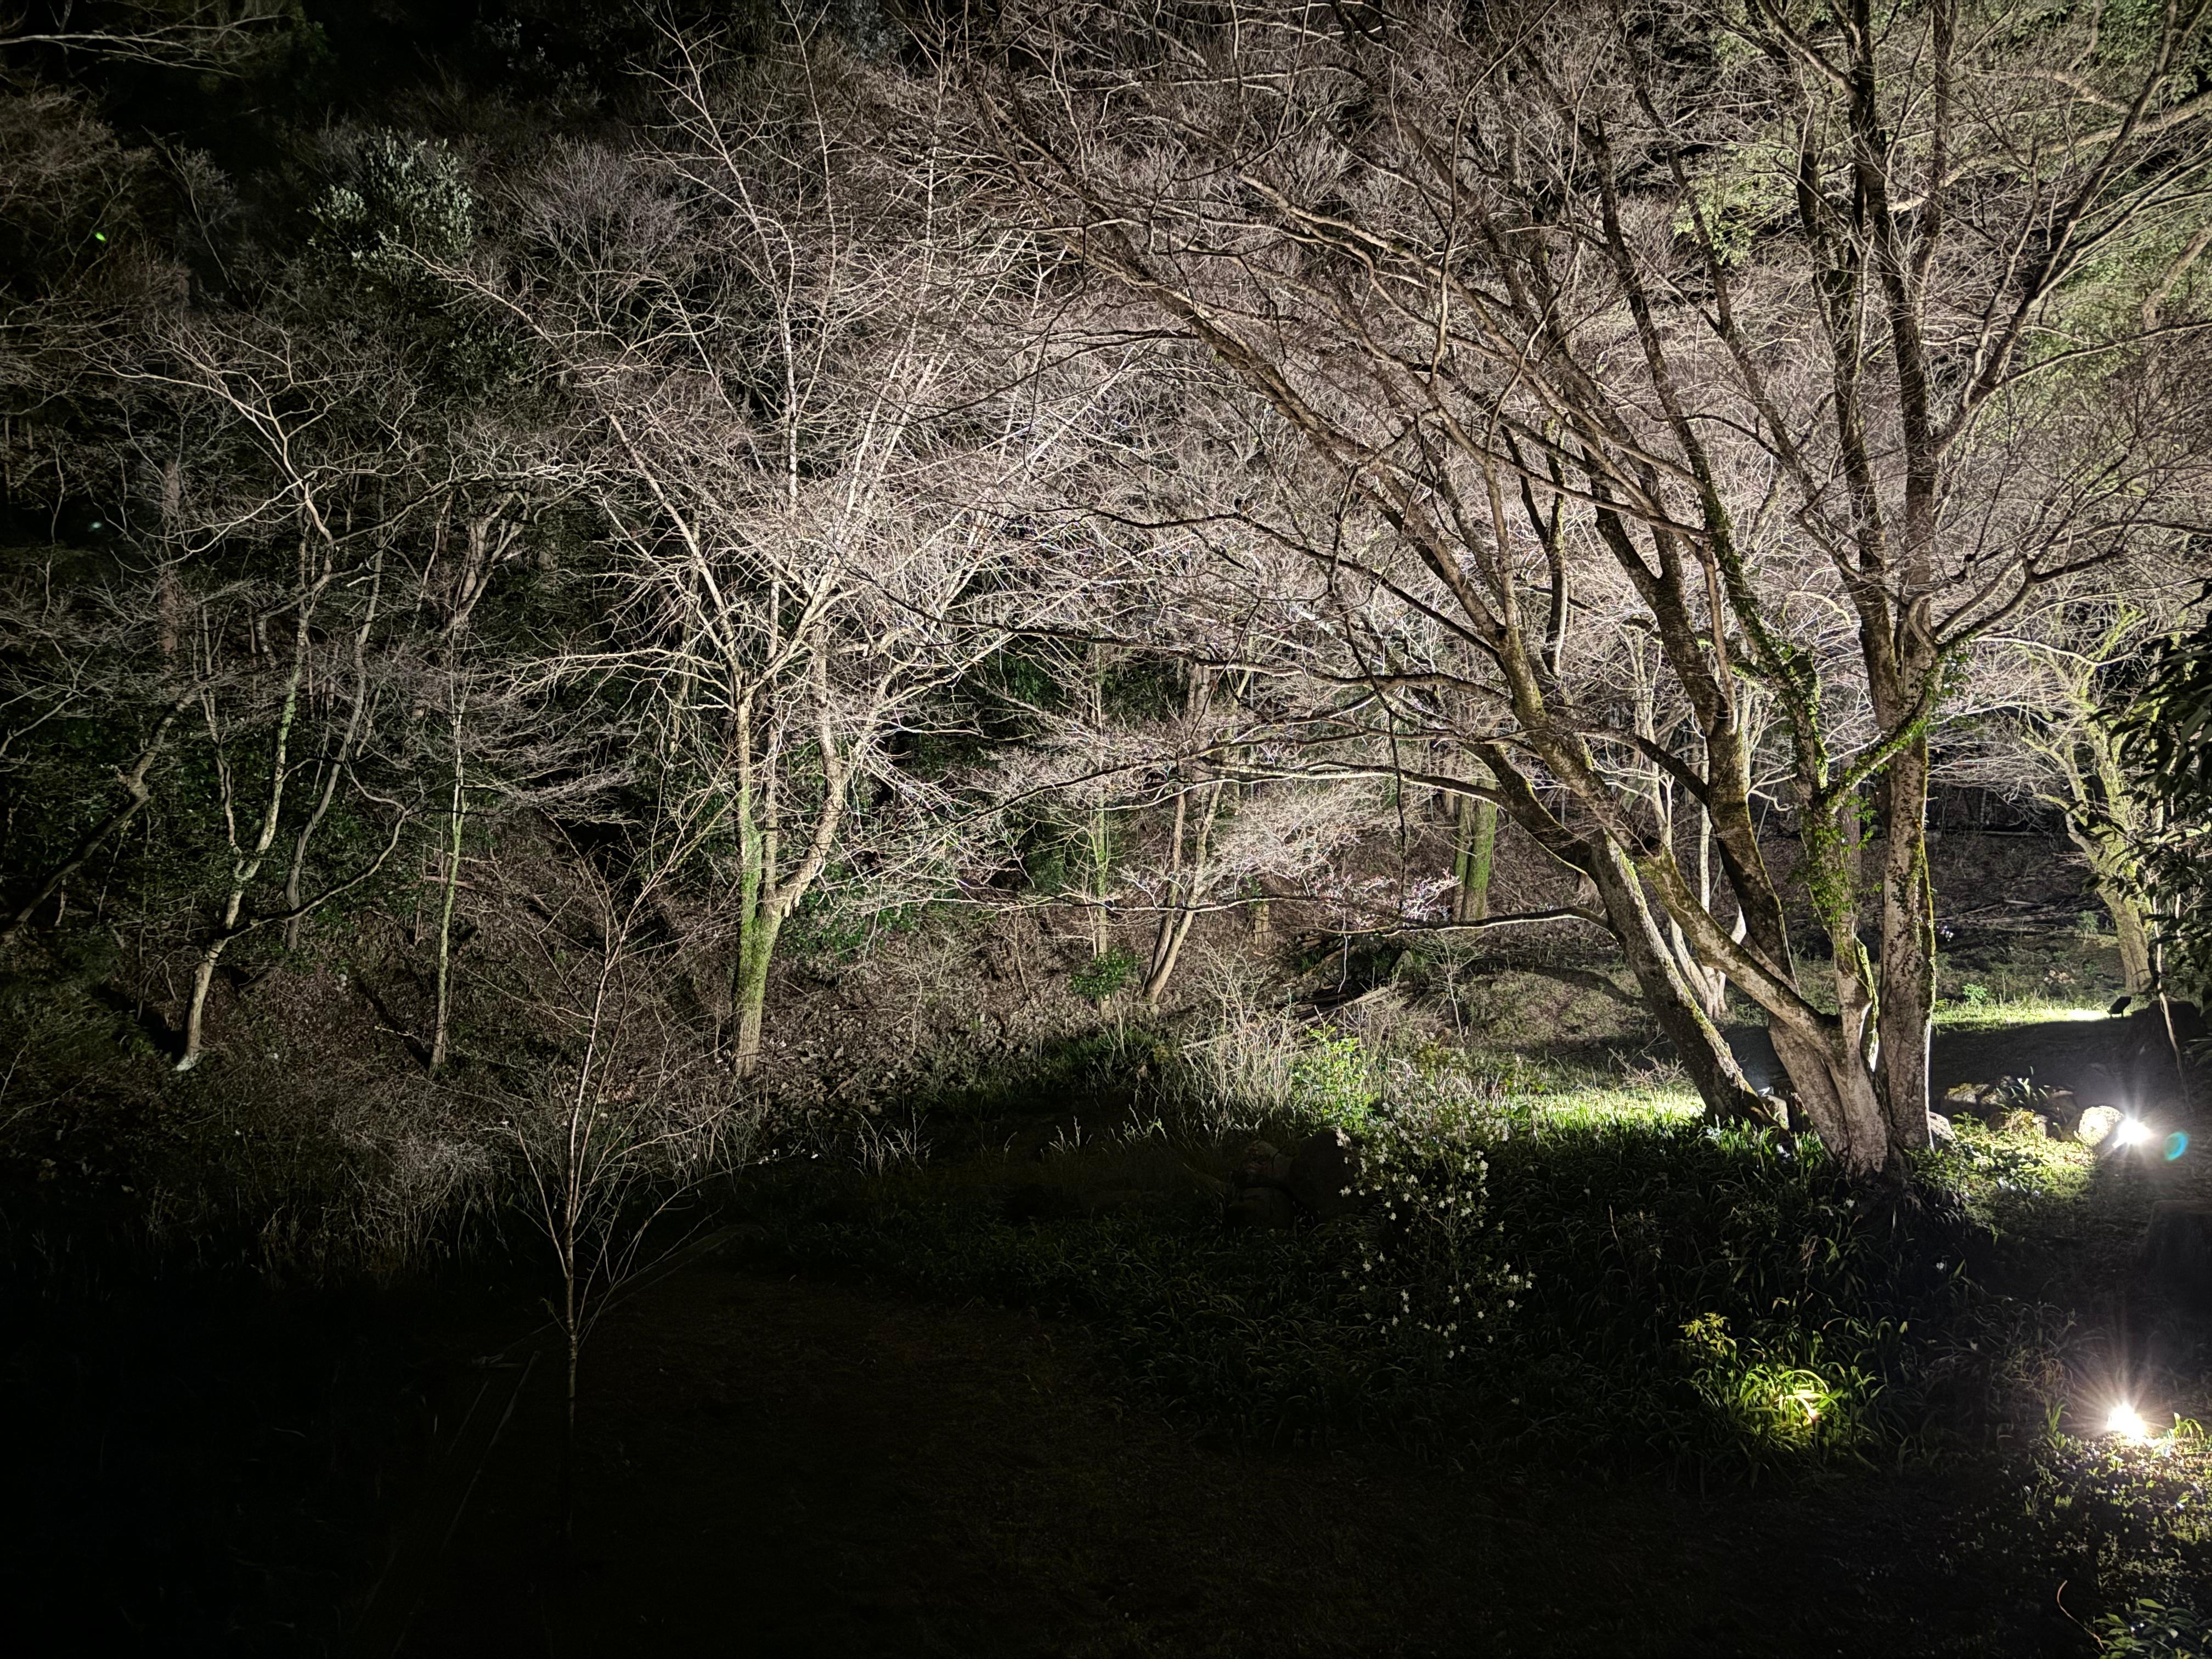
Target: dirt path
[[795, 1467]]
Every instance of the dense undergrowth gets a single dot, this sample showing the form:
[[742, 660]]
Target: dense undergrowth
[[1643, 1287], [1547, 1260], [1635, 1288]]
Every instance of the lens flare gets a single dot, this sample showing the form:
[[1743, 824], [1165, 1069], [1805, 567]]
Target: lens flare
[[2176, 1145], [2127, 1423]]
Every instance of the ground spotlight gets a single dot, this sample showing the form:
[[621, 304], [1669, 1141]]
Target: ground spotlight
[[2132, 1132], [2127, 1423]]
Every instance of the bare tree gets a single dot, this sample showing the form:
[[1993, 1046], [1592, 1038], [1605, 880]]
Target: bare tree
[[808, 443], [2059, 680], [256, 643], [1778, 315], [631, 1115]]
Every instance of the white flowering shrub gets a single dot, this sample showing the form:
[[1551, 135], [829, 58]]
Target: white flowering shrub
[[1431, 1274]]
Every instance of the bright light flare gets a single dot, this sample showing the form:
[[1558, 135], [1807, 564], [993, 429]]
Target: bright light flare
[[2127, 1423], [2132, 1132]]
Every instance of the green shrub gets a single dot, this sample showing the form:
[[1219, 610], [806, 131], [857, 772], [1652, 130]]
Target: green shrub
[[1645, 1286], [2150, 1629], [1700, 1289], [1103, 976], [1332, 1083]]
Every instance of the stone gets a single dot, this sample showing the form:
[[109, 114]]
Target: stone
[[1261, 1208], [1966, 1101], [2177, 1250], [2095, 1125], [2063, 1110], [1322, 1172], [1261, 1166], [2019, 1120], [1940, 1130]]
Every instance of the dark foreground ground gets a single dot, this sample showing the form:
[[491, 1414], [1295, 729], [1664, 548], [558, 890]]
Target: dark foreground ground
[[776, 1465], [774, 1462], [787, 1467]]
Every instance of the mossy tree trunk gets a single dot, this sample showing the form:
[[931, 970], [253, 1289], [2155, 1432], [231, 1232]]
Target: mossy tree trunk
[[1475, 846]]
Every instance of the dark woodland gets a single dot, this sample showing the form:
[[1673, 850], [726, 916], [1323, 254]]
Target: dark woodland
[[1106, 829]]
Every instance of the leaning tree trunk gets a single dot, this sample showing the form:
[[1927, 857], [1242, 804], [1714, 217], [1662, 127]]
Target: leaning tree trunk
[[2104, 849], [1703, 1052], [2133, 936]]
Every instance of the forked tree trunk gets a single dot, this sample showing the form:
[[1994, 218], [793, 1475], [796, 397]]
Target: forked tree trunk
[[1835, 1090], [1187, 884]]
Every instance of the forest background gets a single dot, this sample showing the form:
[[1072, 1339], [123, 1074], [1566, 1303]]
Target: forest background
[[584, 588]]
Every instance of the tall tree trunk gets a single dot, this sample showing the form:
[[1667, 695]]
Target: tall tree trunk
[[1707, 980], [1097, 835], [1474, 848], [1908, 949], [248, 866], [337, 764], [2133, 934], [1095, 881], [456, 821], [749, 986]]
